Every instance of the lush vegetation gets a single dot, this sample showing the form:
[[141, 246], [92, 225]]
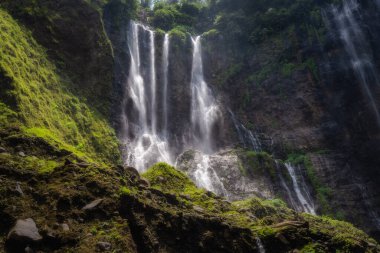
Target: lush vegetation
[[266, 218], [35, 97]]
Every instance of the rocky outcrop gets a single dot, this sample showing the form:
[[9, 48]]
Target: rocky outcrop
[[74, 35], [171, 214], [233, 169]]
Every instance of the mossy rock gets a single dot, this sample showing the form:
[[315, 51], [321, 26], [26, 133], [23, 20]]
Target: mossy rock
[[36, 97]]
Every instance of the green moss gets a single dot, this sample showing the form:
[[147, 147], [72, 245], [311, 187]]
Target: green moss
[[260, 163], [178, 33], [232, 71], [288, 68], [260, 76], [312, 248], [7, 116], [344, 235], [41, 164], [166, 178], [128, 191], [210, 34], [44, 105]]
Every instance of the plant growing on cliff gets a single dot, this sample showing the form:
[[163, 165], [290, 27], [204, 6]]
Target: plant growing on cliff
[[39, 99]]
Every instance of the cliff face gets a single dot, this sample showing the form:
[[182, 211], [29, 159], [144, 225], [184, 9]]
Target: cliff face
[[63, 66], [298, 87]]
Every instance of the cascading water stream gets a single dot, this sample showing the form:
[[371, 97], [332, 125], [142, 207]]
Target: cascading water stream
[[246, 137], [144, 146], [204, 114], [346, 21], [260, 245], [300, 188], [165, 65], [204, 109], [153, 82], [293, 203]]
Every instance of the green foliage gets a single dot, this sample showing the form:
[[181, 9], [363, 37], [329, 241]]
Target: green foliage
[[260, 163], [44, 105], [167, 16], [7, 116], [210, 34], [343, 234], [258, 77], [178, 33], [288, 68], [40, 164], [312, 248], [232, 71], [166, 178]]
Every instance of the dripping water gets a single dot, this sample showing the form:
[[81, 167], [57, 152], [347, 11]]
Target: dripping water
[[300, 188], [260, 245], [246, 137], [346, 21]]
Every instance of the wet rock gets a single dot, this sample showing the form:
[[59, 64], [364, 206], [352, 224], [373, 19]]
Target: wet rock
[[29, 250], [65, 227], [2, 150], [198, 209], [133, 173], [18, 189], [22, 154], [282, 239], [25, 231], [83, 165], [104, 246], [144, 183], [93, 204]]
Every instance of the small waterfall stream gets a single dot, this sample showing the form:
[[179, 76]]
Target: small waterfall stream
[[346, 21], [301, 190], [260, 245], [246, 137], [165, 66]]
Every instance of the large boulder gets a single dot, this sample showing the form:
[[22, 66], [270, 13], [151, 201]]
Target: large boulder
[[231, 170], [24, 232]]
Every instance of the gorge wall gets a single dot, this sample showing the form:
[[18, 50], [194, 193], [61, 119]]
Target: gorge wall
[[297, 92], [293, 123]]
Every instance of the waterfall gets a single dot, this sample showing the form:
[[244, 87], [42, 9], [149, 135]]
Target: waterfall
[[260, 245], [144, 146], [246, 137], [293, 202], [165, 66], [204, 114], [206, 177], [153, 81], [346, 20], [204, 110], [300, 188]]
